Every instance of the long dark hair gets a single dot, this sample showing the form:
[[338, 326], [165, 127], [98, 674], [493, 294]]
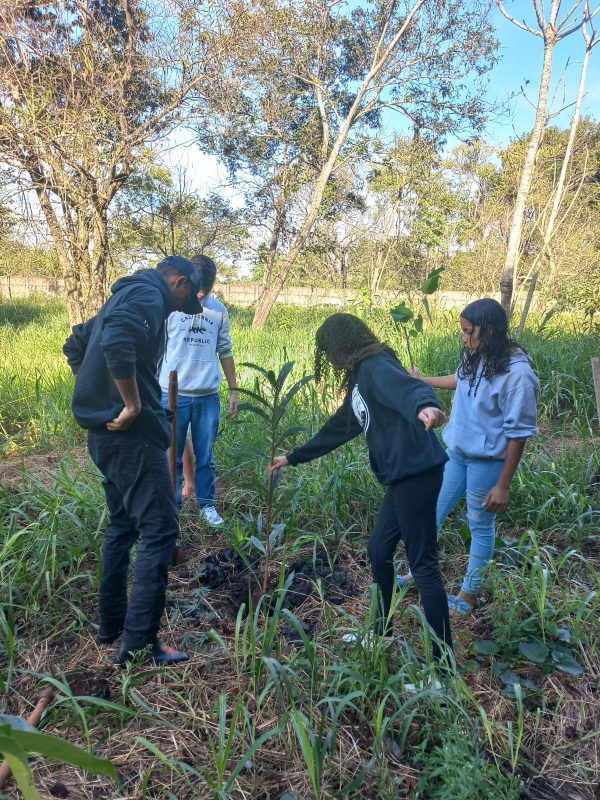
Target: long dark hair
[[495, 345], [341, 343]]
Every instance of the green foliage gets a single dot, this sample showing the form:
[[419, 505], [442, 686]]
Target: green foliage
[[158, 214], [453, 766], [338, 718], [402, 314], [273, 398], [17, 738]]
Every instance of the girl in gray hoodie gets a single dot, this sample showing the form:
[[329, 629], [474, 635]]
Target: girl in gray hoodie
[[493, 415]]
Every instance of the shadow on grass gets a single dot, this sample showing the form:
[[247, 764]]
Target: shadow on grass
[[22, 311]]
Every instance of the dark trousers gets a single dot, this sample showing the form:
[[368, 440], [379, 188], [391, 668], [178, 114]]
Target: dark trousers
[[408, 513], [141, 505]]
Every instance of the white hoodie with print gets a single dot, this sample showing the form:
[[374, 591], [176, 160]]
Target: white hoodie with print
[[194, 346]]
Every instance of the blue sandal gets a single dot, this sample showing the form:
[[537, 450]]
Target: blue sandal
[[458, 605]]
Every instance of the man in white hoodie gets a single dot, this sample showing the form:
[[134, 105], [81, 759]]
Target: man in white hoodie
[[198, 347]]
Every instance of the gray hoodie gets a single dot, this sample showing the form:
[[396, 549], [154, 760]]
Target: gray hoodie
[[194, 346], [490, 412]]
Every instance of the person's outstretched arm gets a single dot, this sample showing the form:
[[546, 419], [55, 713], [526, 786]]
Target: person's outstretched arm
[[441, 382], [339, 429]]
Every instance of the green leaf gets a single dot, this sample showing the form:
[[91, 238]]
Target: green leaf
[[567, 662], [508, 677], [418, 323], [485, 647], [564, 635], [272, 378], [61, 750], [249, 364], [432, 281], [425, 302], [293, 390], [254, 410], [16, 758], [534, 651], [402, 313], [292, 431], [283, 374], [255, 396]]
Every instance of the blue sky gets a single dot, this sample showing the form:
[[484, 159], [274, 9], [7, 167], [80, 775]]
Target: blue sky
[[521, 60], [521, 56]]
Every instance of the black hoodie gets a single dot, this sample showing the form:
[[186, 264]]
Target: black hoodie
[[383, 402], [125, 338]]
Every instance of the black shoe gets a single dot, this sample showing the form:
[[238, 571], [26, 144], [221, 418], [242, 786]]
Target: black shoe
[[108, 638], [163, 655], [160, 654]]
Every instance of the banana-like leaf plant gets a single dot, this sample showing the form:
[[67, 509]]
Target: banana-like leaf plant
[[404, 315], [270, 399]]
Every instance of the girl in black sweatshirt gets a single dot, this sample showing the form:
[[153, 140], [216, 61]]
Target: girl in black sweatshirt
[[397, 415]]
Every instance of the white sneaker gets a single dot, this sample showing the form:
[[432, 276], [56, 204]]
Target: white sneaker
[[211, 515], [413, 688], [367, 640]]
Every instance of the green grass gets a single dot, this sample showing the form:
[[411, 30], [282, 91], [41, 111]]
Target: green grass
[[255, 714]]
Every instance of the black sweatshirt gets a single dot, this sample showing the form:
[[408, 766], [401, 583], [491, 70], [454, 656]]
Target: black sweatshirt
[[383, 401], [125, 338]]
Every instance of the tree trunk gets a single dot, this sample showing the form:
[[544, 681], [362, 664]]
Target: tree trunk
[[516, 226], [83, 261], [560, 186], [269, 294]]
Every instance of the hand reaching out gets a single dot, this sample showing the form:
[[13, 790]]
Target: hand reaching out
[[277, 463], [432, 417]]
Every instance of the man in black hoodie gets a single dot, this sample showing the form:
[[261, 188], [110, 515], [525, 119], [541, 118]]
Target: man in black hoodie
[[117, 398]]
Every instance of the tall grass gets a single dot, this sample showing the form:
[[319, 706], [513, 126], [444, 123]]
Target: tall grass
[[339, 719]]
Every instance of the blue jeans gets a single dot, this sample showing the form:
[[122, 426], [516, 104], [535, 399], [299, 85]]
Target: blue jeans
[[201, 415], [473, 477]]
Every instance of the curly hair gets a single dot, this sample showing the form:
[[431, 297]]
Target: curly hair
[[495, 345], [341, 343]]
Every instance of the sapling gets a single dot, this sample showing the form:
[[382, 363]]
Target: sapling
[[270, 403], [404, 315]]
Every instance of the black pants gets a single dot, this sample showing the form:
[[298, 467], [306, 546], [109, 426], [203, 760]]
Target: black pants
[[141, 504], [408, 513]]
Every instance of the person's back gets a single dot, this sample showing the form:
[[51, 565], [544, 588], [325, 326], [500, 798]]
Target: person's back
[[117, 399], [125, 338]]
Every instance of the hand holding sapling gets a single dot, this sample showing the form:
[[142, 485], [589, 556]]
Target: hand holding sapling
[[278, 462]]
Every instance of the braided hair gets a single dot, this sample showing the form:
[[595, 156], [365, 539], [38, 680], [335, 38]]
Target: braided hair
[[341, 343], [495, 346]]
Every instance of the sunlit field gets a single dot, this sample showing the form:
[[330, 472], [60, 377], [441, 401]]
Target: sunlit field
[[272, 704]]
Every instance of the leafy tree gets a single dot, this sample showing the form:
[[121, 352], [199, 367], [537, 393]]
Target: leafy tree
[[294, 91], [84, 88], [158, 214], [551, 29]]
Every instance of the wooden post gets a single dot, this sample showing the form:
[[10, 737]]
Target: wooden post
[[596, 375], [173, 392]]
